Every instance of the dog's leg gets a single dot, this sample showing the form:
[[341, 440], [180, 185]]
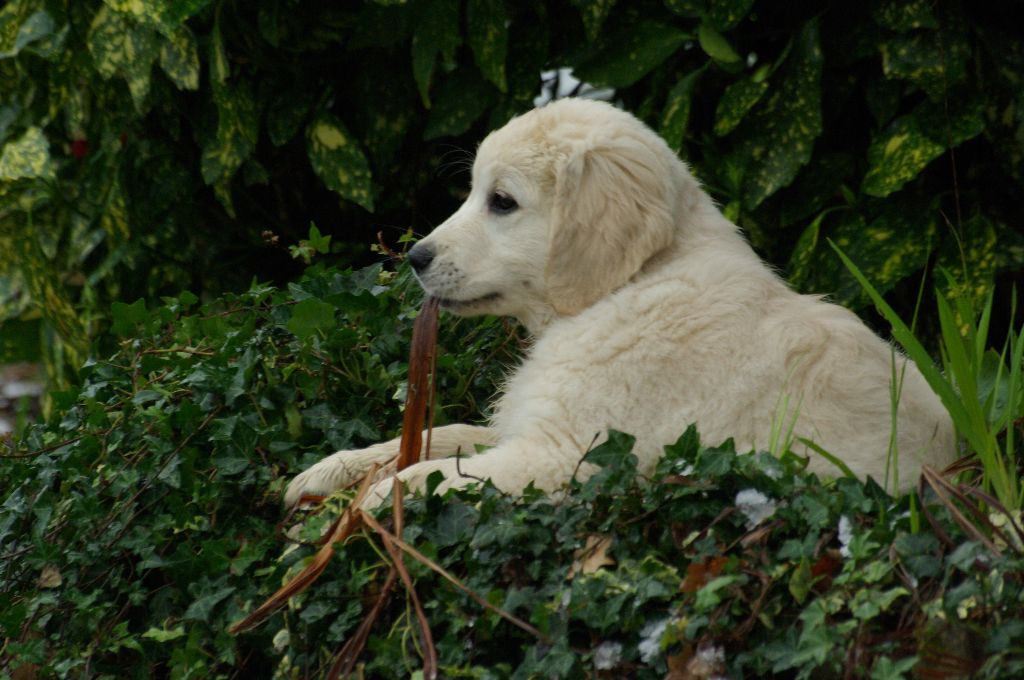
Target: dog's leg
[[511, 466], [340, 469]]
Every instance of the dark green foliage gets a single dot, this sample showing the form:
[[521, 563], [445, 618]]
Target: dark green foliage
[[142, 520], [156, 146]]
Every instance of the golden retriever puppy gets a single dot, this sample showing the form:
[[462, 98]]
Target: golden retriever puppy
[[649, 311]]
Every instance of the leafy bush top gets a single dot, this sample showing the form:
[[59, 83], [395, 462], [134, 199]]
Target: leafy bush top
[[143, 519]]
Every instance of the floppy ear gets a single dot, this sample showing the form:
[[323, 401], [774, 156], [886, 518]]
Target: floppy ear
[[613, 211]]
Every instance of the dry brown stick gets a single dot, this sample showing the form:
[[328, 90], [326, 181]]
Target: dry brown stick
[[421, 367], [345, 662], [433, 566], [342, 529]]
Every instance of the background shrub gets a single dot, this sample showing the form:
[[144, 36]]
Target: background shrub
[[158, 146]]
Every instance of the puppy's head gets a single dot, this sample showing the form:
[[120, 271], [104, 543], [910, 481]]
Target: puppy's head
[[568, 202]]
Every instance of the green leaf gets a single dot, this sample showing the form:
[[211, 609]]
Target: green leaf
[[237, 132], [121, 46], [436, 33], [933, 61], [676, 115], [179, 58], [904, 15], [715, 45], [338, 161], [18, 31], [164, 634], [971, 259], [461, 100], [779, 137], [27, 157], [311, 317], [897, 156], [625, 55], [737, 100], [593, 13], [127, 318], [200, 609], [114, 220], [687, 8], [911, 142], [486, 23], [892, 246], [726, 14]]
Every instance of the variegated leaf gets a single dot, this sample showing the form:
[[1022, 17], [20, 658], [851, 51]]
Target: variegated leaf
[[338, 160], [488, 37], [779, 136], [119, 45], [934, 62], [593, 13], [737, 100], [164, 15], [905, 15], [219, 68], [687, 8], [801, 259], [179, 58], [237, 132], [437, 33], [726, 14], [913, 141], [461, 100], [114, 220], [27, 157], [17, 31], [894, 245], [971, 259], [625, 55], [676, 115]]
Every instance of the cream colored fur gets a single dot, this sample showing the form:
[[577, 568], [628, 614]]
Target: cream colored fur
[[649, 311]]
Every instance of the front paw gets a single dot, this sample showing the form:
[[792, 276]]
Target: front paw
[[414, 478]]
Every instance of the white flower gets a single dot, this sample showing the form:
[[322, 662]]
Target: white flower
[[755, 506], [650, 639], [607, 655], [845, 535]]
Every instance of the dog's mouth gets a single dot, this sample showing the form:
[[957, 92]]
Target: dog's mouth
[[454, 305]]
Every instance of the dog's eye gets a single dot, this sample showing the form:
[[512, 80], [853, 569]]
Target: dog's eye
[[501, 204]]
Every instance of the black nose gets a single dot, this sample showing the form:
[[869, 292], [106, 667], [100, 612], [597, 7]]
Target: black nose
[[420, 256]]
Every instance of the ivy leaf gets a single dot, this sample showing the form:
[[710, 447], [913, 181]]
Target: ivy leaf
[[179, 58], [676, 115], [779, 137], [338, 161], [737, 100], [593, 13], [27, 157], [437, 33], [200, 609], [625, 55], [488, 37], [715, 45]]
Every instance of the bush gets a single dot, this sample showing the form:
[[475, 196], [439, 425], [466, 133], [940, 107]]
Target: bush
[[145, 517]]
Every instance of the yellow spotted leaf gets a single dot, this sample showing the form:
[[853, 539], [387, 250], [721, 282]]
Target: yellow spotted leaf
[[593, 13], [488, 37], [114, 220], [119, 45], [27, 157], [338, 161], [737, 100], [437, 32], [778, 138], [179, 58], [675, 117]]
